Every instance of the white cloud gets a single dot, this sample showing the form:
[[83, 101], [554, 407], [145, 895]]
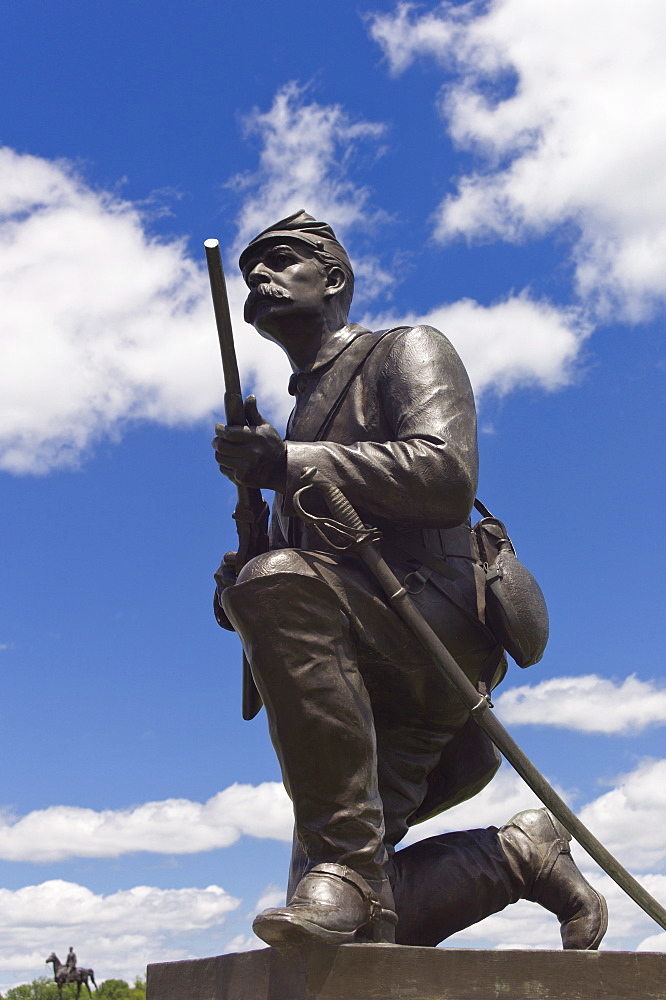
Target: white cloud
[[654, 942], [242, 942], [508, 344], [521, 925], [306, 149], [102, 324], [506, 795], [70, 904], [628, 924], [571, 135], [173, 826], [273, 895], [630, 818], [117, 935], [120, 933], [404, 36], [181, 826], [590, 704]]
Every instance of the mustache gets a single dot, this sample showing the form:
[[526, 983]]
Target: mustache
[[264, 291]]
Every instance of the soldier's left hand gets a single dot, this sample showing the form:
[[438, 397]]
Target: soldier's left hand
[[254, 455]]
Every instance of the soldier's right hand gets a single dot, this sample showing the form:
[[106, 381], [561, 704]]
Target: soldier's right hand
[[225, 574]]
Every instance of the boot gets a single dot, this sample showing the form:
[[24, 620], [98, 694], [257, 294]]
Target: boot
[[319, 714], [537, 849], [332, 905]]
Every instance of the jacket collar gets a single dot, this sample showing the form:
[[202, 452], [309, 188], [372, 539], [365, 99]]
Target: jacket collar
[[331, 350]]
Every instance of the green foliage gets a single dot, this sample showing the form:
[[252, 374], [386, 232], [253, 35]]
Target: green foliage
[[113, 989], [40, 989], [118, 989], [46, 989]]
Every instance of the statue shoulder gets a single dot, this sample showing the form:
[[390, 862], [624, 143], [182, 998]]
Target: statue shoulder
[[421, 341], [422, 332]]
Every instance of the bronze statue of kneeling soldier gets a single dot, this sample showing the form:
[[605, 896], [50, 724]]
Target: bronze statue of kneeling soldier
[[369, 735]]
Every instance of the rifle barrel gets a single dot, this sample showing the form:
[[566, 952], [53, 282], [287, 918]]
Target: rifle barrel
[[233, 399]]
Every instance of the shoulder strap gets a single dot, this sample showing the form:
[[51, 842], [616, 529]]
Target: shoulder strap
[[305, 422], [362, 352], [482, 509]]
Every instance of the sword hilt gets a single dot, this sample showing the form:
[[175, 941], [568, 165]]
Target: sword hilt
[[338, 504], [343, 521]]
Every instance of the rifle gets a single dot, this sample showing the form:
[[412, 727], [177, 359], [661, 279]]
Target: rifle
[[251, 513]]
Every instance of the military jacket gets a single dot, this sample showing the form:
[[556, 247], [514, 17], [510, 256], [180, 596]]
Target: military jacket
[[389, 418]]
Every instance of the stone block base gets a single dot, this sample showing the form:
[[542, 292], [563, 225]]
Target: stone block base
[[393, 972]]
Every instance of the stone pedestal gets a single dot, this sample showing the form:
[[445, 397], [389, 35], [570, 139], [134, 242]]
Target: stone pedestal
[[393, 972]]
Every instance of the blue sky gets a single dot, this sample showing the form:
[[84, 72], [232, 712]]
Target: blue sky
[[494, 169]]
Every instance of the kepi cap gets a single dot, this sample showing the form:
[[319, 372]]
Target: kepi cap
[[304, 228]]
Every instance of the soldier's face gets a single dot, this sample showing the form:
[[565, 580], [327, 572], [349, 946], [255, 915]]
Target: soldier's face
[[284, 278]]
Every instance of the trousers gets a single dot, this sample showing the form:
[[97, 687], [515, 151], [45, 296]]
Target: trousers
[[357, 712]]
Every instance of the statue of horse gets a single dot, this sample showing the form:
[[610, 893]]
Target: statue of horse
[[63, 975]]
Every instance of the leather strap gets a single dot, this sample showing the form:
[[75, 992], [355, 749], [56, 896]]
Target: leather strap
[[347, 875], [482, 509], [438, 565], [489, 668], [487, 672], [312, 422], [362, 349]]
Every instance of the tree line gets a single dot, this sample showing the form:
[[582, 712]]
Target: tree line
[[46, 989]]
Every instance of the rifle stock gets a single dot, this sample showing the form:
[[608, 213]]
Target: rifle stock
[[251, 513]]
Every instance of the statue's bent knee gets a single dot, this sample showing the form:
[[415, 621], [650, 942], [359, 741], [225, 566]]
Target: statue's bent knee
[[265, 581], [269, 563]]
